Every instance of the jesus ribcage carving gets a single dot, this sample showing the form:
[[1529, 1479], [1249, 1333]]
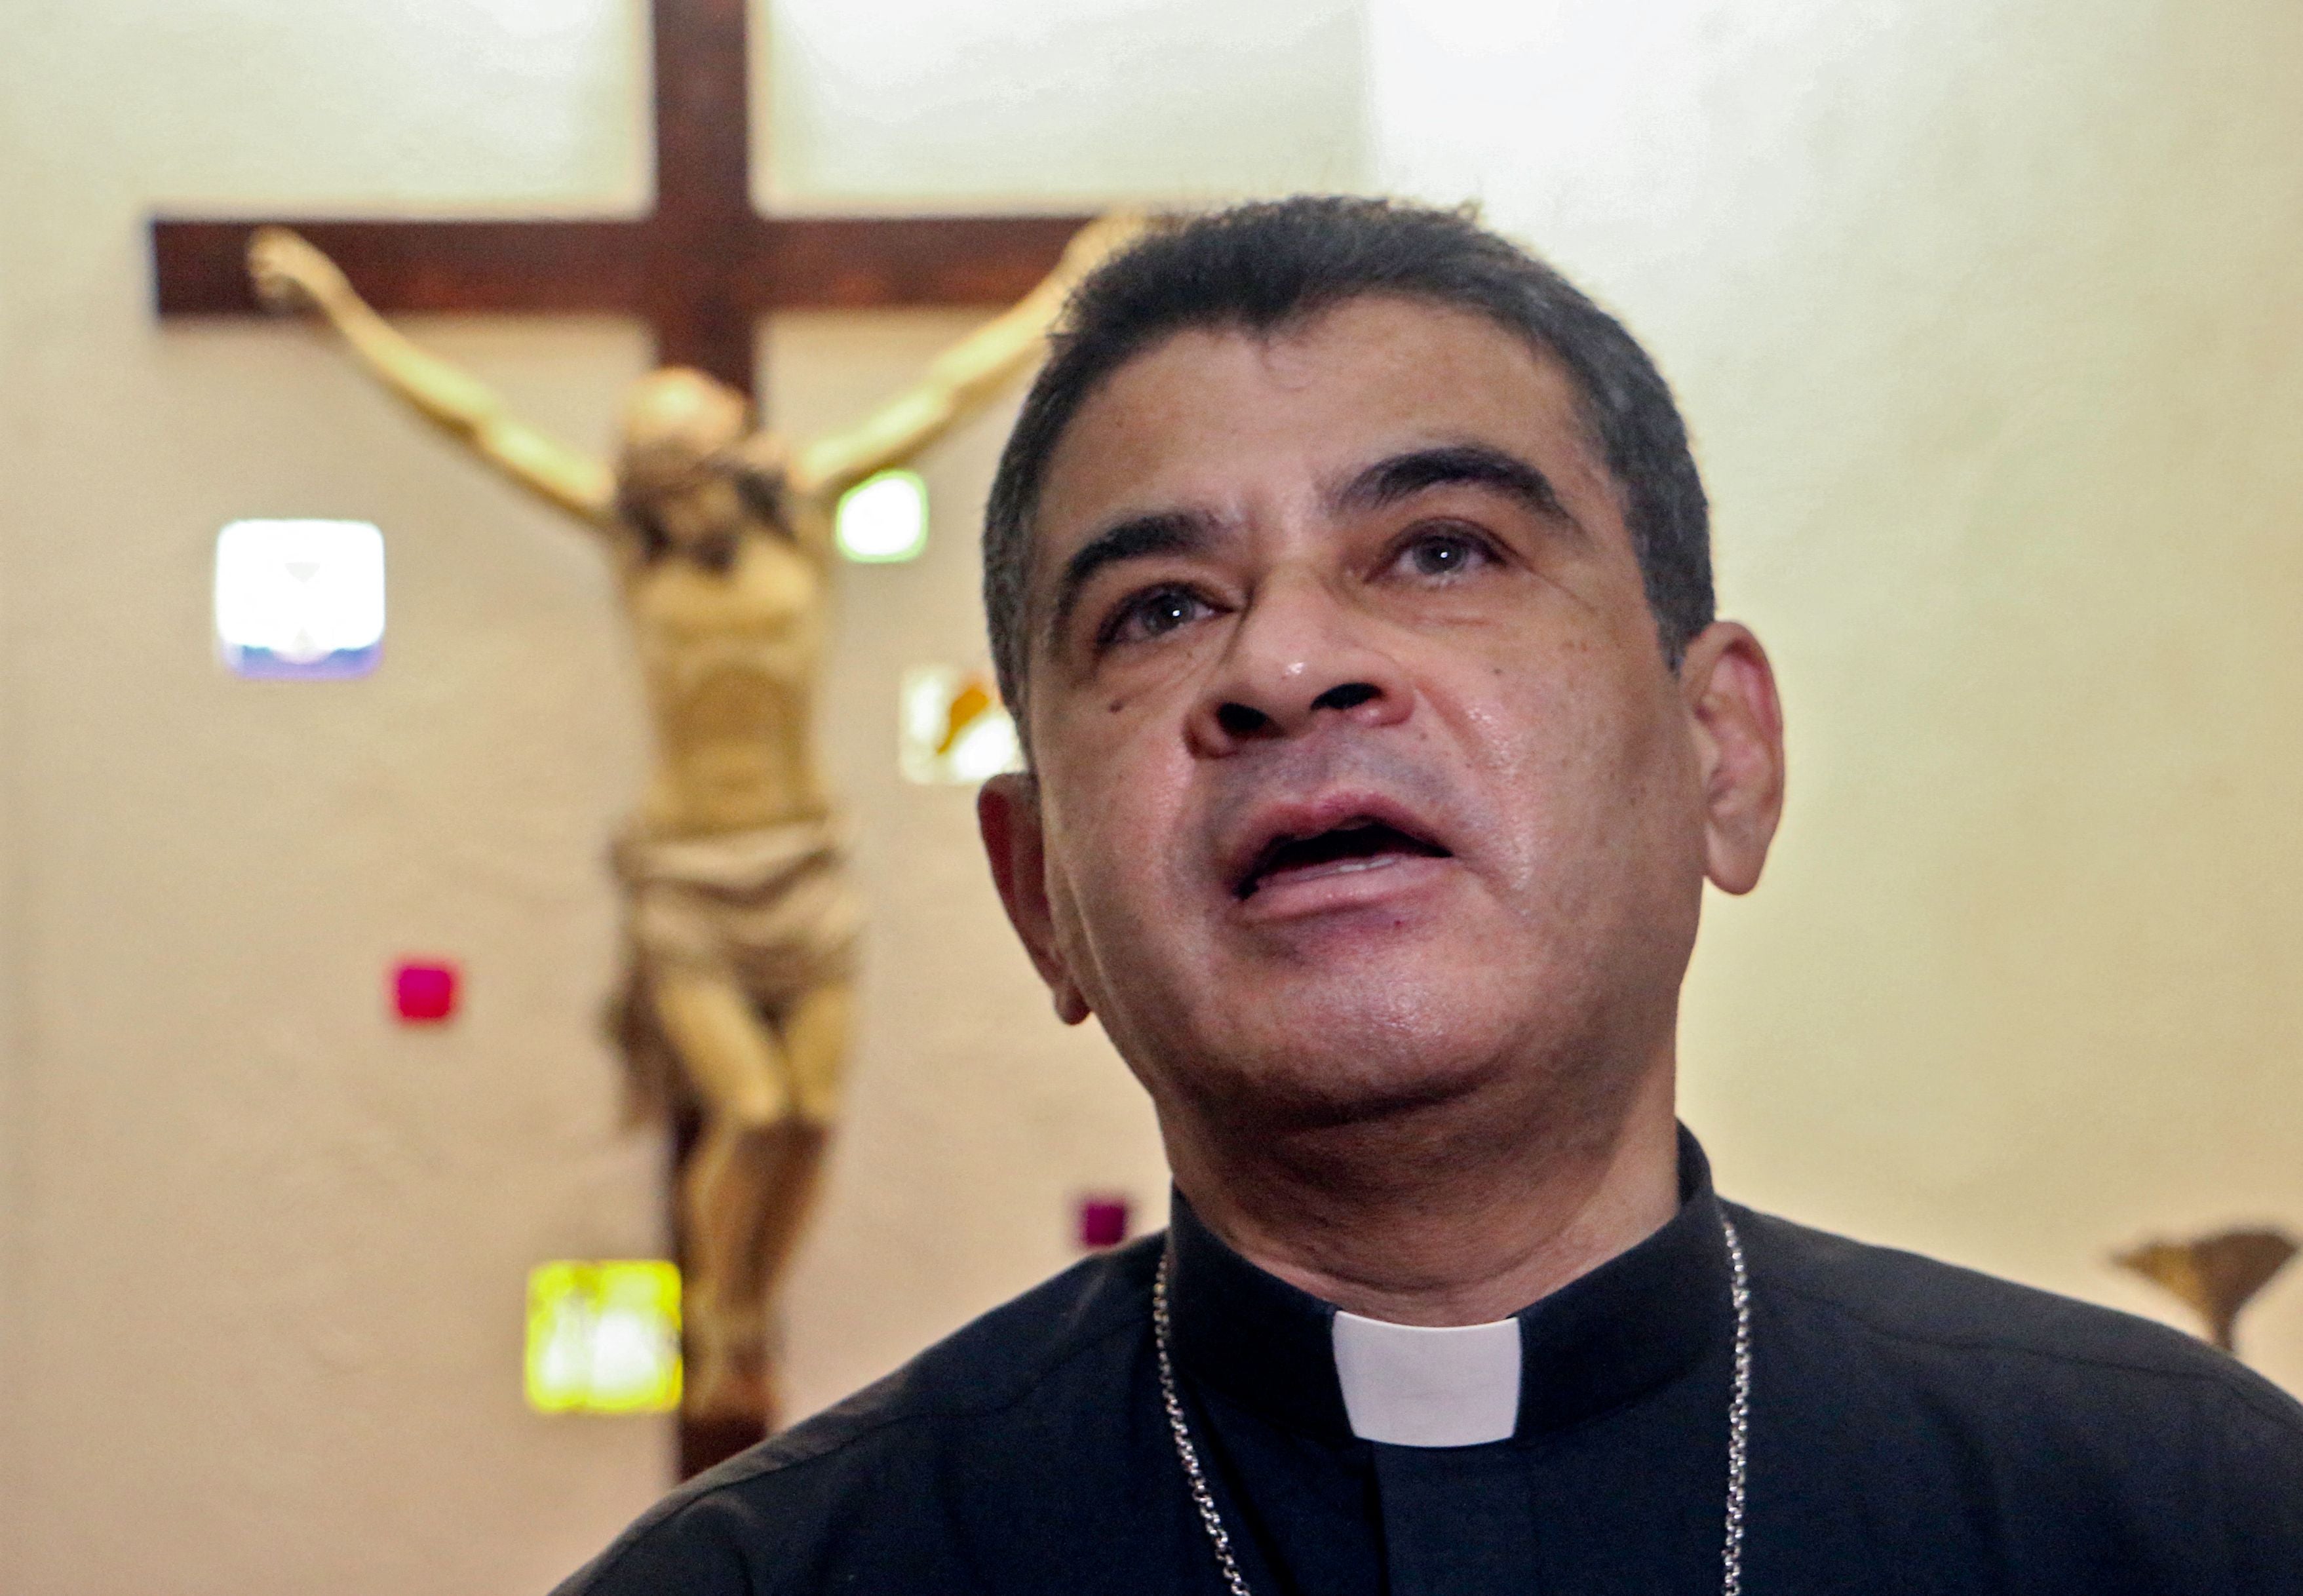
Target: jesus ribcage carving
[[730, 660]]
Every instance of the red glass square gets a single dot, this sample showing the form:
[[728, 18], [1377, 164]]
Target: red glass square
[[1102, 1221], [424, 991]]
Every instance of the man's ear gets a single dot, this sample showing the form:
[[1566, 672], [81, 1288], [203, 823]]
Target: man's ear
[[1738, 726], [1007, 814]]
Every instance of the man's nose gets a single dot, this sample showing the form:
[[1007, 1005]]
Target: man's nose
[[1299, 656]]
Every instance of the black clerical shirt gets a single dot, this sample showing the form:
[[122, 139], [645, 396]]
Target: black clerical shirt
[[1914, 1429]]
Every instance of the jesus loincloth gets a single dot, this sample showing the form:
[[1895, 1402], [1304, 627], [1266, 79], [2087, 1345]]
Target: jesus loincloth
[[770, 909]]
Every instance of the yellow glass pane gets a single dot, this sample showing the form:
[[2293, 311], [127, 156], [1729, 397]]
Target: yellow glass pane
[[951, 727], [603, 1337], [884, 518]]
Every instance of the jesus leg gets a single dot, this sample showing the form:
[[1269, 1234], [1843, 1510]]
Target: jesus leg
[[778, 1167], [814, 1034], [733, 1186]]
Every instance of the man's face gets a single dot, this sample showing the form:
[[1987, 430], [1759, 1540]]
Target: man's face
[[1362, 782]]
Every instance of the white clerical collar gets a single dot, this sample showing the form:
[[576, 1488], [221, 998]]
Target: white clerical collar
[[1412, 1385]]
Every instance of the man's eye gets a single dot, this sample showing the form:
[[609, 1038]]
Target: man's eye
[[1154, 614], [1443, 554]]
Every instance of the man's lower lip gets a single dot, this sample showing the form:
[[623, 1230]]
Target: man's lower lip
[[1347, 883]]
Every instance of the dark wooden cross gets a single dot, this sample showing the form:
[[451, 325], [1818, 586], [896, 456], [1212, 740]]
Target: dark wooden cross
[[699, 268]]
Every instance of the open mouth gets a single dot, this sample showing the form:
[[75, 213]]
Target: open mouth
[[1355, 845]]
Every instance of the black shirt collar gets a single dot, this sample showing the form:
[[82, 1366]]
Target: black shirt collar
[[1598, 1342]]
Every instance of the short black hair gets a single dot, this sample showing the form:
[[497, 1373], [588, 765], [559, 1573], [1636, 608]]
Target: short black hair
[[1263, 266]]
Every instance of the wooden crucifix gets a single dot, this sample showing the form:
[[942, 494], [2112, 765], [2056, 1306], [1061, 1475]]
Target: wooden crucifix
[[739, 923], [700, 269]]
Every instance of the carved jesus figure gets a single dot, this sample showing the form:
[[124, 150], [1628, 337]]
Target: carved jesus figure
[[740, 922]]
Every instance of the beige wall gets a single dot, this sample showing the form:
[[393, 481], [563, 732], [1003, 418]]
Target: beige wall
[[12, 1053], [1983, 317]]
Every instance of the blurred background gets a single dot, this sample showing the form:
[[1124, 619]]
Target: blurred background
[[1986, 317]]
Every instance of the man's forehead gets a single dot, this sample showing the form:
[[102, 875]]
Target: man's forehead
[[1208, 414]]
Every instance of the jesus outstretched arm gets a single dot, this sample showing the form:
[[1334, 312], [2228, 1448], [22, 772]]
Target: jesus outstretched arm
[[961, 380], [291, 274]]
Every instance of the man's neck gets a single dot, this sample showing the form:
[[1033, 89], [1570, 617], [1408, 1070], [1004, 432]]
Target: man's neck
[[1426, 1231]]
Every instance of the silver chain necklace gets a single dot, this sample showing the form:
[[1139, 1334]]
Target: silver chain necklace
[[1739, 1428]]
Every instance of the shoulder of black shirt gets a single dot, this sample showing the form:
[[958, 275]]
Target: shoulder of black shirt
[[1893, 1296], [1955, 1336]]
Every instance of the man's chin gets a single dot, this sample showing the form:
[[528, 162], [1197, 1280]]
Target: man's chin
[[1340, 1062], [1304, 1095], [1363, 1028]]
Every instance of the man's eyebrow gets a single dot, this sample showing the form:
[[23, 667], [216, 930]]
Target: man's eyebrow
[[1163, 532], [1399, 476]]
